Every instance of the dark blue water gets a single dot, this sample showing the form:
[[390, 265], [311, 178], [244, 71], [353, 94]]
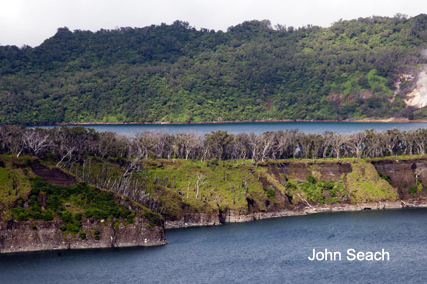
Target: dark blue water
[[260, 127], [267, 251]]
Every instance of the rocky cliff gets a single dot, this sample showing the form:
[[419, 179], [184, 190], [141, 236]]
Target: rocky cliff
[[277, 189], [406, 181], [134, 226], [19, 236]]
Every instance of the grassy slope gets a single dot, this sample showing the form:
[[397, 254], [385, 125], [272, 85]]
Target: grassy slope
[[24, 196], [237, 185]]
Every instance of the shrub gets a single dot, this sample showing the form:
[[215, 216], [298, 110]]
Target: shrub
[[67, 217], [74, 228], [313, 191], [328, 185], [34, 226], [21, 214], [78, 217], [89, 214], [82, 235], [384, 177], [311, 179], [150, 219], [130, 218], [270, 193], [63, 228], [413, 189], [47, 215]]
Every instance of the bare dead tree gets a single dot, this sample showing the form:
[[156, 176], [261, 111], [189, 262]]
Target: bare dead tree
[[318, 144], [337, 141], [266, 143], [253, 145], [36, 141], [356, 142], [420, 140], [12, 139], [200, 180], [240, 146], [188, 187], [161, 138]]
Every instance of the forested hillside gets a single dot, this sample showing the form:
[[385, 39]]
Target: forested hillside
[[176, 73]]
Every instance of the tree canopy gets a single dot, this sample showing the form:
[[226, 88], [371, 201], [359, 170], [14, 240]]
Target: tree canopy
[[176, 73]]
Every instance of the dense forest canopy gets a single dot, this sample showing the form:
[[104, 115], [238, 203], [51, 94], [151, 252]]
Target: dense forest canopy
[[176, 73]]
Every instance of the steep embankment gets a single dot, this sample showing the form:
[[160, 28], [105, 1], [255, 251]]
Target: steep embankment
[[19, 236], [418, 96], [47, 208], [289, 188]]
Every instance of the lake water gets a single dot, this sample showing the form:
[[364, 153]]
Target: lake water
[[259, 127], [266, 251]]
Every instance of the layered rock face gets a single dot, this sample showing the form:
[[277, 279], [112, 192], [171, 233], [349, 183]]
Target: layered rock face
[[22, 236], [18, 236], [327, 171], [53, 176], [36, 235], [402, 173]]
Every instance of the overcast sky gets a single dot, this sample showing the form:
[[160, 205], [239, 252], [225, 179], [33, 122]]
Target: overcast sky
[[32, 21]]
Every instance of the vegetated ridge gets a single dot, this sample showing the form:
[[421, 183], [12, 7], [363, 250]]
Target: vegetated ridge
[[354, 69], [73, 187]]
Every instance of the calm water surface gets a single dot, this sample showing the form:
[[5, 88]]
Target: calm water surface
[[266, 251], [260, 127]]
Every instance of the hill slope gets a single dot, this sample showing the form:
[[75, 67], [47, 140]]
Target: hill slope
[[252, 71]]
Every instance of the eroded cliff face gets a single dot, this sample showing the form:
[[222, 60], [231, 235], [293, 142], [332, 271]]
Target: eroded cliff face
[[418, 96], [36, 235], [326, 171], [19, 236], [403, 175], [394, 195], [53, 176]]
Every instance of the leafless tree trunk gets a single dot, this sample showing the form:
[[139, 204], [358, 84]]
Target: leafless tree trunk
[[37, 141], [356, 141], [201, 180]]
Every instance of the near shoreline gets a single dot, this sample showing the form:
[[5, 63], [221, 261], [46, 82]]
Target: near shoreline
[[203, 219]]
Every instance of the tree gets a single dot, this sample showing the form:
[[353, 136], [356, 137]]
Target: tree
[[219, 142], [37, 141]]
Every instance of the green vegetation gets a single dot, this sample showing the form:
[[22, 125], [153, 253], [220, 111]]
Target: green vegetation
[[366, 185], [27, 197], [206, 186], [80, 199], [384, 177], [270, 193], [172, 175], [313, 190], [177, 73]]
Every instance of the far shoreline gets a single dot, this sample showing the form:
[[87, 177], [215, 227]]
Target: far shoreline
[[365, 120]]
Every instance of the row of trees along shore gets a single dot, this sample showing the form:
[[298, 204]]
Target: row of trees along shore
[[73, 144]]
